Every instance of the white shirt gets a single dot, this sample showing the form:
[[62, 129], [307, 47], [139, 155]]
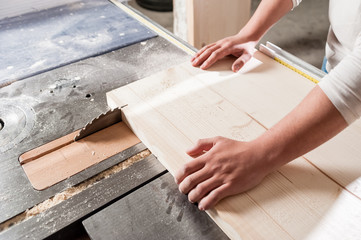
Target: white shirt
[[343, 52]]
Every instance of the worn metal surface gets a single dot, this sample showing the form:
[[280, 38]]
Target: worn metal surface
[[64, 100], [53, 104], [155, 211], [38, 41], [87, 201], [17, 120]]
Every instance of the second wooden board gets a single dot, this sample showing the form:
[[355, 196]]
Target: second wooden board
[[169, 111]]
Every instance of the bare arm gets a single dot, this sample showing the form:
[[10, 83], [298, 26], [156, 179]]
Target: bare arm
[[314, 121], [242, 44], [229, 167]]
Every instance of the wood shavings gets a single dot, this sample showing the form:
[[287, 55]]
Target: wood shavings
[[72, 191]]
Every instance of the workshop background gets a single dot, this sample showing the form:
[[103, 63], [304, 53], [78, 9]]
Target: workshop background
[[303, 32]]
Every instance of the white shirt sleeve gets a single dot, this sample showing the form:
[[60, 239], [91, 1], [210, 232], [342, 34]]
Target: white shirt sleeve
[[343, 84], [295, 3]]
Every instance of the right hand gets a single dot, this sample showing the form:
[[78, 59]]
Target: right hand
[[221, 167], [235, 45]]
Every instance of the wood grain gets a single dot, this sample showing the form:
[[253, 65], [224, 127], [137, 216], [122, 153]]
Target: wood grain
[[52, 164], [47, 148], [170, 110], [209, 21]]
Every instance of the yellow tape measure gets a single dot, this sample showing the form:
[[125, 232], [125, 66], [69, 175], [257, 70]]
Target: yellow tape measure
[[296, 70], [186, 48]]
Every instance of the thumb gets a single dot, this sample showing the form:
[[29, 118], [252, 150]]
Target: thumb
[[201, 146], [239, 63]]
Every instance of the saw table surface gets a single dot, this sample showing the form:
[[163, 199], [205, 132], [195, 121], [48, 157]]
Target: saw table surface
[[52, 104], [43, 40]]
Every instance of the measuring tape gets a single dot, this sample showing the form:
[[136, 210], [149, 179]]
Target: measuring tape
[[292, 62], [296, 70], [268, 50]]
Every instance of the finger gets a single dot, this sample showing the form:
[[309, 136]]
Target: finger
[[187, 169], [215, 56], [192, 180], [202, 145], [202, 50], [204, 56], [203, 188], [214, 197], [239, 63]]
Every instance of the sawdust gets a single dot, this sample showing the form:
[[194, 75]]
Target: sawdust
[[72, 191]]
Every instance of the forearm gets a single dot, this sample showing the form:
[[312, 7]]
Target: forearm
[[267, 14], [314, 121]]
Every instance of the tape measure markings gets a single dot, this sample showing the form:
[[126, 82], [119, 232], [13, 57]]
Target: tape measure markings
[[296, 70]]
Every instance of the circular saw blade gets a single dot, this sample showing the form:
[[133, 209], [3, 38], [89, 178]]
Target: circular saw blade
[[104, 120]]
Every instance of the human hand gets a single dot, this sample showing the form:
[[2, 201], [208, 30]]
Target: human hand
[[235, 45], [221, 167]]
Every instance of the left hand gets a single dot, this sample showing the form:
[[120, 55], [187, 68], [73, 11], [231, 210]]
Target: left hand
[[237, 45], [221, 167]]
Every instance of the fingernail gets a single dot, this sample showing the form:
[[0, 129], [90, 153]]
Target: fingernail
[[200, 207], [236, 68]]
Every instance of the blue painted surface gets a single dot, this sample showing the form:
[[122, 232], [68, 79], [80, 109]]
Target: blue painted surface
[[41, 41], [323, 68]]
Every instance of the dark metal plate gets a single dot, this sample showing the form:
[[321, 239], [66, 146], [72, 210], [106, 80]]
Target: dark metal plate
[[156, 211]]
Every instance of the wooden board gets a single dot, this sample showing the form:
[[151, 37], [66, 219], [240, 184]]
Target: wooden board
[[169, 111], [203, 22], [62, 158]]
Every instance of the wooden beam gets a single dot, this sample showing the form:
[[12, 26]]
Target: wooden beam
[[170, 110], [203, 22]]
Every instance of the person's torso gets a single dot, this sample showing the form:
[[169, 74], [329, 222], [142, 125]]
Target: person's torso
[[345, 20]]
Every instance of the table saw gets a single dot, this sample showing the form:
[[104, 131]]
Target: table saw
[[44, 104], [143, 72]]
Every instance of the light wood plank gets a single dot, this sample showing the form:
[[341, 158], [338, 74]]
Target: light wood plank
[[281, 90], [152, 127], [205, 22], [172, 109]]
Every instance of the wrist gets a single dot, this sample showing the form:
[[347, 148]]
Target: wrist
[[269, 153], [249, 35]]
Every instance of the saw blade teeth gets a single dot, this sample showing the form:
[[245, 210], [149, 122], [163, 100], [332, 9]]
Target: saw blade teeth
[[107, 118]]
